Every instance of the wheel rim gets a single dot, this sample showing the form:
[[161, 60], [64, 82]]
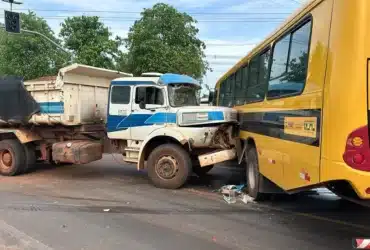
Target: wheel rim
[[251, 176], [167, 167], [6, 159]]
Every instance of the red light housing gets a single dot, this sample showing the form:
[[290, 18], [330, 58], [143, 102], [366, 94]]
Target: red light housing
[[357, 152], [358, 158], [367, 190]]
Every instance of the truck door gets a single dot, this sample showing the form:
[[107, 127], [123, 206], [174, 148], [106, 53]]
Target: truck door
[[119, 109], [145, 120]]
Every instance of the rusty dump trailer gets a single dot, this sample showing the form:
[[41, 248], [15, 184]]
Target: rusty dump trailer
[[56, 119]]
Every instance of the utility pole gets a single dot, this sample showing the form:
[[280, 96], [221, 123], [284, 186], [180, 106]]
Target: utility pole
[[11, 2]]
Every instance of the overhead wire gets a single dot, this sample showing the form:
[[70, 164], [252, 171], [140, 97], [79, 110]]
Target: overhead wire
[[138, 12], [122, 19]]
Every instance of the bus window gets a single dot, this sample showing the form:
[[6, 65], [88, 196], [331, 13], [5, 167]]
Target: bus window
[[238, 88], [222, 93], [227, 92], [289, 79], [258, 75], [263, 71], [280, 58], [232, 91], [243, 92], [253, 72]]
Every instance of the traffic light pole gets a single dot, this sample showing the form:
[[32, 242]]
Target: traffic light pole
[[46, 38]]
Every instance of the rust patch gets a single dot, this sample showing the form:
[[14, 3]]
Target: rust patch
[[77, 152]]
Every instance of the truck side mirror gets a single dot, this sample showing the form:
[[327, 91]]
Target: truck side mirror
[[142, 105]]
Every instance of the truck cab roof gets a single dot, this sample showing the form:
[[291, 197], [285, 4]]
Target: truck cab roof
[[164, 79]]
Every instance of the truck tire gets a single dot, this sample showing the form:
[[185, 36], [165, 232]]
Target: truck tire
[[169, 166], [30, 150], [253, 175], [202, 171], [12, 157]]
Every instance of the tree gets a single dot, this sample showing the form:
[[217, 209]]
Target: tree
[[297, 69], [165, 40], [28, 55], [90, 41]]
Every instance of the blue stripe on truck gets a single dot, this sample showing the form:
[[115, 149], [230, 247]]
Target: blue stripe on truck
[[52, 107]]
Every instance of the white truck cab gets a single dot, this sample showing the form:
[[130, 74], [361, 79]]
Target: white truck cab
[[156, 121]]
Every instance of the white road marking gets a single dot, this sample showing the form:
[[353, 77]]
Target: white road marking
[[364, 244]]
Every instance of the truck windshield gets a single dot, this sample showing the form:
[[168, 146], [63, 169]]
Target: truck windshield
[[183, 95]]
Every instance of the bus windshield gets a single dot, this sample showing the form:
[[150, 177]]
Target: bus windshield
[[181, 95]]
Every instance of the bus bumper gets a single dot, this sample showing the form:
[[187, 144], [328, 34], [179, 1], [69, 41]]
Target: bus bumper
[[340, 171]]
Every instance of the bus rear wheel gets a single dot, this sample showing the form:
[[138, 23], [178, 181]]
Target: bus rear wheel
[[253, 175], [169, 166]]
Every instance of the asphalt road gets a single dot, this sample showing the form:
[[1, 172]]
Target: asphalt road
[[107, 206]]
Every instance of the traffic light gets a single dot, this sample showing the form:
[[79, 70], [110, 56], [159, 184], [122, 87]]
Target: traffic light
[[12, 20]]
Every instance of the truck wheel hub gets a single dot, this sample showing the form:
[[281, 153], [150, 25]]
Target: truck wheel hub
[[6, 158], [167, 167]]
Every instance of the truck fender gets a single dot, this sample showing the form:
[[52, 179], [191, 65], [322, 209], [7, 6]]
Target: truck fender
[[170, 132], [23, 135]]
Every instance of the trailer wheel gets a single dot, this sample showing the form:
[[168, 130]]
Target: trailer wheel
[[30, 156], [12, 157], [169, 166], [253, 175]]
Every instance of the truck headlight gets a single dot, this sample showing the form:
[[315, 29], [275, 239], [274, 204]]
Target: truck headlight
[[188, 118]]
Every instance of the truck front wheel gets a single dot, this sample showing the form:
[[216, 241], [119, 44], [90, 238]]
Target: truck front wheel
[[169, 166], [12, 157]]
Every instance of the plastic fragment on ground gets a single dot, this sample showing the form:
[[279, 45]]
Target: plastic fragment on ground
[[233, 192]]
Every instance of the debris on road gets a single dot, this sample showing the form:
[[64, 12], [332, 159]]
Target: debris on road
[[106, 210], [232, 192]]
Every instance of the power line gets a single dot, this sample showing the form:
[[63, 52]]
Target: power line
[[210, 56], [120, 19], [296, 1], [230, 44], [138, 12], [224, 19]]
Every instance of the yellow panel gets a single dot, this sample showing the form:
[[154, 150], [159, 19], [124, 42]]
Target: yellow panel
[[270, 160], [300, 159], [337, 170], [301, 126]]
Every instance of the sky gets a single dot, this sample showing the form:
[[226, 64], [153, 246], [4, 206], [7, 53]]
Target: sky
[[229, 28]]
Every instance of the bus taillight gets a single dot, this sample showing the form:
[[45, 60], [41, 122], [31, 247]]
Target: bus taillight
[[357, 152]]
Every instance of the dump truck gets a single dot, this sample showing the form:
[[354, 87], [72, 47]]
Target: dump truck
[[154, 121]]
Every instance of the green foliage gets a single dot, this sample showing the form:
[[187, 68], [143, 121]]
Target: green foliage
[[297, 69], [90, 41], [165, 40], [29, 55]]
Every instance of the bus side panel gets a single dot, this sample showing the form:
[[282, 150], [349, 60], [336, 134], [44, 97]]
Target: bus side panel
[[302, 160], [270, 160], [289, 153]]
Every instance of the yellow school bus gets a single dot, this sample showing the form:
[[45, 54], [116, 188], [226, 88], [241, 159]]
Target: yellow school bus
[[302, 97]]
